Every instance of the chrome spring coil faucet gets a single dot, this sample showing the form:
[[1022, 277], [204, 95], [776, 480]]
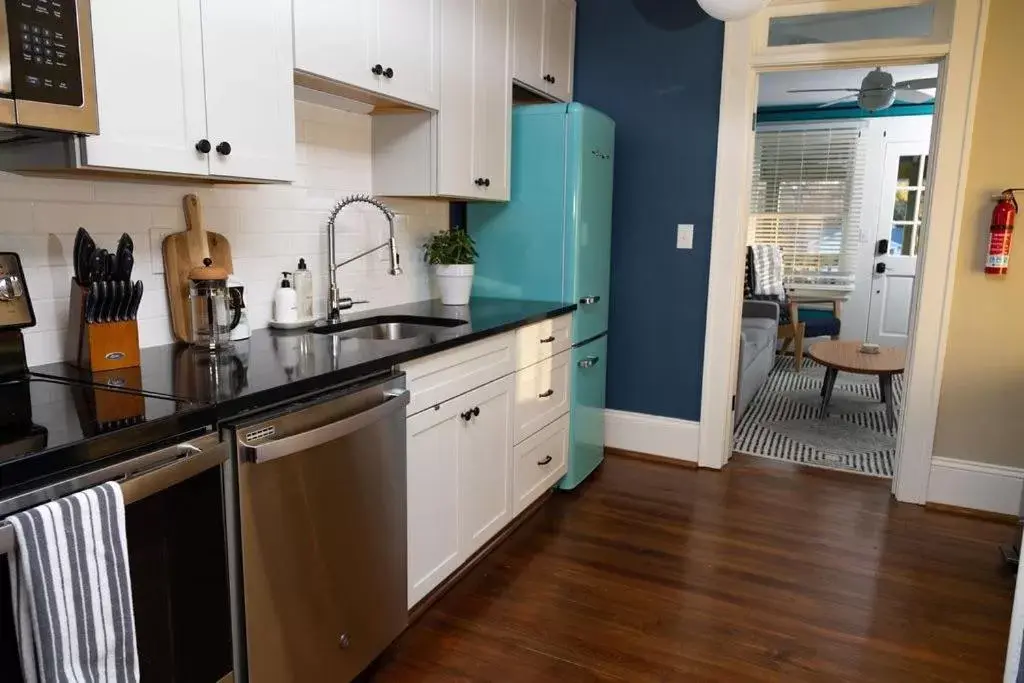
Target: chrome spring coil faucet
[[335, 302]]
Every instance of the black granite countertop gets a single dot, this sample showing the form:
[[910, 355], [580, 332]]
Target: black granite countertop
[[51, 428], [275, 366]]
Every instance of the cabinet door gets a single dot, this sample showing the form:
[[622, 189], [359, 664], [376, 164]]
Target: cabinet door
[[250, 99], [336, 40], [149, 83], [433, 497], [408, 43], [485, 464], [455, 152], [492, 108], [528, 43], [559, 46]]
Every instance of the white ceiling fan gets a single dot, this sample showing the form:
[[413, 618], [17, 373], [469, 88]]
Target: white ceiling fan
[[879, 91]]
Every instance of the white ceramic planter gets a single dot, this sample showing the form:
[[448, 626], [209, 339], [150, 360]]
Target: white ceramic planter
[[455, 283]]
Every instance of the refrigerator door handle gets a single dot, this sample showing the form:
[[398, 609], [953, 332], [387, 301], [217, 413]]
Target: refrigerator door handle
[[589, 361], [589, 300]]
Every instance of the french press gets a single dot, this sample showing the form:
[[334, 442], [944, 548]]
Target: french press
[[214, 312]]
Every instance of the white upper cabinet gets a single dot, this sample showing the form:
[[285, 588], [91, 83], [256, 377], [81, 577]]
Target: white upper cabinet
[[463, 151], [185, 73], [250, 102], [544, 42], [492, 100], [384, 47], [528, 43], [407, 49], [337, 40], [559, 47], [151, 103]]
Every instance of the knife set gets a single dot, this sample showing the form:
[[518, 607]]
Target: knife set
[[103, 333]]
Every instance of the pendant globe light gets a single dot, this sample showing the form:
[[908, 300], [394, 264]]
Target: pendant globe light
[[731, 10]]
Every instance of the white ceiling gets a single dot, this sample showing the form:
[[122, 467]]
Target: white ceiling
[[773, 87]]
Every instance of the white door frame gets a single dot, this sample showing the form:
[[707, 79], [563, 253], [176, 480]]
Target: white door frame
[[745, 56]]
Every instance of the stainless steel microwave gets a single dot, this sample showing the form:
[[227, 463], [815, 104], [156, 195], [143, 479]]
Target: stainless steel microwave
[[47, 74]]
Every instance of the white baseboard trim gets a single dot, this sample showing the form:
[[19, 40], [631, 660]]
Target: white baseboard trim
[[976, 485], [652, 434]]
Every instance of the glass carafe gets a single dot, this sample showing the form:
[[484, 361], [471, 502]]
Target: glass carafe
[[213, 311]]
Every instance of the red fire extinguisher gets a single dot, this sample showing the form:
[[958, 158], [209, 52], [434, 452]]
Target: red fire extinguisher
[[1000, 234]]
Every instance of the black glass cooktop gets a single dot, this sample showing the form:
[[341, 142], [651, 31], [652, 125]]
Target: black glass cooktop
[[48, 427]]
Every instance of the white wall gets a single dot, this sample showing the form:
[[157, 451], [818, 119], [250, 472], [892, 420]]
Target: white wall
[[269, 228]]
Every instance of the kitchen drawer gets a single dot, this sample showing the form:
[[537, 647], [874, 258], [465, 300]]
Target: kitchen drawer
[[543, 340], [435, 379], [539, 462], [542, 394]]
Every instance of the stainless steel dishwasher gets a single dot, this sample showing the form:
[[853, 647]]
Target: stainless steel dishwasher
[[315, 493]]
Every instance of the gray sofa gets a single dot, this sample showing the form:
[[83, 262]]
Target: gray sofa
[[758, 336]]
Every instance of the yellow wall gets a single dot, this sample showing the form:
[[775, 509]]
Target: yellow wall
[[981, 406]]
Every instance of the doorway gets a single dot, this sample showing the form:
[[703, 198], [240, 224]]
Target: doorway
[[837, 182], [952, 36]]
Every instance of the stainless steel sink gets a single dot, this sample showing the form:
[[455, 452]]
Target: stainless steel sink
[[389, 328]]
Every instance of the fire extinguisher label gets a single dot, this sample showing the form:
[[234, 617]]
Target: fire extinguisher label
[[998, 249]]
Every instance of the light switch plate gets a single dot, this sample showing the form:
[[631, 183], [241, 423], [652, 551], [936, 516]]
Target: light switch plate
[[684, 236]]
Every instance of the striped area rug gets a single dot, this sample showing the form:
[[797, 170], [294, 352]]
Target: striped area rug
[[782, 421]]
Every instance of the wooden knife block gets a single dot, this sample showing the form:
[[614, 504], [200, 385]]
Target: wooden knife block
[[99, 346]]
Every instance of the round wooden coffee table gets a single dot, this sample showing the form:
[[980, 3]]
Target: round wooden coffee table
[[846, 356]]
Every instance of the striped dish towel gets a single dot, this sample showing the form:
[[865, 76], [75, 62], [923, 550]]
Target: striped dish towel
[[71, 590]]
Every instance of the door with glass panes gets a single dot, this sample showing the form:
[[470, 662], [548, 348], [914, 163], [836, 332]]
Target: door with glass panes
[[898, 240]]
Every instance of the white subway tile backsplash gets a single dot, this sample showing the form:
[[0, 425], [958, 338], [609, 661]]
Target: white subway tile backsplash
[[270, 227]]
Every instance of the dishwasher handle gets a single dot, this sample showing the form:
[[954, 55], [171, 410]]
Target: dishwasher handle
[[289, 445]]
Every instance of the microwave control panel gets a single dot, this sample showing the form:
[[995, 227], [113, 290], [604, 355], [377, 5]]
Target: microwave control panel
[[45, 61]]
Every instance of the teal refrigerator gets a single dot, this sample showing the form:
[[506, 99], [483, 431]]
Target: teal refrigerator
[[552, 242]]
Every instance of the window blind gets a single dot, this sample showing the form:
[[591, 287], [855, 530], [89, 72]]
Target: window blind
[[806, 197]]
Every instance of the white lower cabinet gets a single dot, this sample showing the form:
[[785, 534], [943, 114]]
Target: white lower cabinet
[[539, 462], [432, 502], [485, 464], [459, 481], [466, 481]]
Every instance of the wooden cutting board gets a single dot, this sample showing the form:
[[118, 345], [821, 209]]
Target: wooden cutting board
[[184, 251]]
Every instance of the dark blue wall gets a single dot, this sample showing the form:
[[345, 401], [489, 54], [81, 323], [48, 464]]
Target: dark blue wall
[[655, 66]]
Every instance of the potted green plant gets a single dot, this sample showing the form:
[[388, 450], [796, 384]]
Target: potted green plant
[[452, 253]]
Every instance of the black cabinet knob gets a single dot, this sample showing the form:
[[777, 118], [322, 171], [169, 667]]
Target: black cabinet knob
[[224, 148], [487, 182], [389, 72], [466, 416], [553, 79], [478, 182], [203, 146], [476, 411], [377, 70]]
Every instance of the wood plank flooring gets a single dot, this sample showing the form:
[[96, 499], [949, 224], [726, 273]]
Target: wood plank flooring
[[763, 572]]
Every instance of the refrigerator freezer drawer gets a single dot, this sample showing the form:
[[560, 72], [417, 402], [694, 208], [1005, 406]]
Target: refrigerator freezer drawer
[[586, 443], [542, 394], [539, 462], [542, 340]]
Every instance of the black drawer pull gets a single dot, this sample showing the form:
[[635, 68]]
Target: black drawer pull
[[547, 340], [545, 461], [549, 392], [476, 411], [466, 416]]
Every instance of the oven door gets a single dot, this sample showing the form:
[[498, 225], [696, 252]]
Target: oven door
[[177, 559]]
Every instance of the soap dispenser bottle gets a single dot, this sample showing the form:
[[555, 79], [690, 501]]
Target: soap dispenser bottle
[[302, 279], [286, 302]]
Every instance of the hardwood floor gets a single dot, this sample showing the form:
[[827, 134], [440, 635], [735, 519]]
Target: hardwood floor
[[763, 572]]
